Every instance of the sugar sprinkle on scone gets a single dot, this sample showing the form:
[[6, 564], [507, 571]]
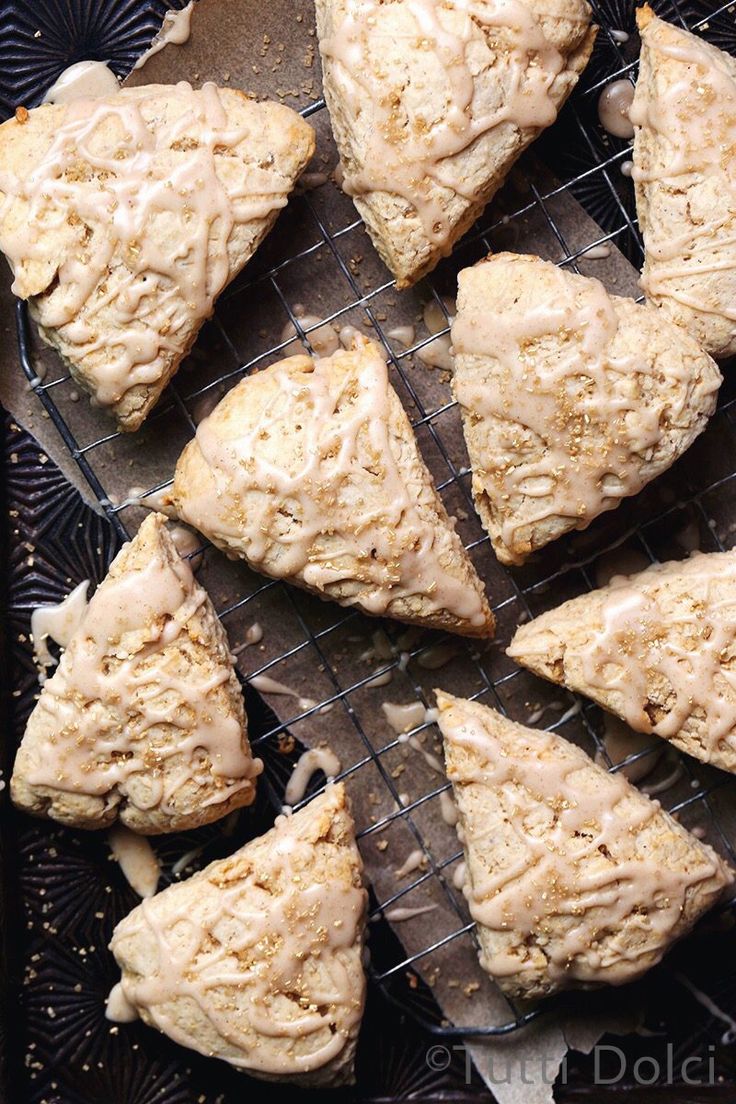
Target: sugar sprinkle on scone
[[258, 959], [574, 877], [309, 470], [657, 648], [143, 719], [123, 219], [572, 399], [684, 116], [431, 103]]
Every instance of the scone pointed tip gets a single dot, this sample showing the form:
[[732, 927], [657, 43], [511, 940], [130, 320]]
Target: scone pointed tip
[[644, 16], [444, 700]]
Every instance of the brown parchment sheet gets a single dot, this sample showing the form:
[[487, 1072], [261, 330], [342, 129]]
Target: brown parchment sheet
[[317, 649]]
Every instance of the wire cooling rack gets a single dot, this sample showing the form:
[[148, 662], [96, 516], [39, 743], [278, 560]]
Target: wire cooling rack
[[589, 170]]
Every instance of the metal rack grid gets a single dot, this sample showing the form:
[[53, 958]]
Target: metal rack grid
[[624, 233]]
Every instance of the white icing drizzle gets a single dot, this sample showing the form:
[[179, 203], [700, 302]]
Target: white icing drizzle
[[188, 545], [324, 340], [448, 808], [187, 859], [267, 685], [627, 168], [116, 685], [438, 353], [349, 336], [561, 378], [83, 81], [431, 760], [620, 742], [620, 36], [403, 718], [410, 155], [316, 515], [614, 104], [118, 1008], [663, 648], [459, 875], [250, 938], [692, 119], [413, 861], [59, 623], [399, 914], [405, 335], [253, 636], [116, 201], [175, 30], [380, 648], [379, 680], [136, 858], [309, 762], [157, 501], [437, 655], [566, 827], [596, 252], [667, 782]]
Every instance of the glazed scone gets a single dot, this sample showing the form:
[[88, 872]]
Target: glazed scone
[[258, 959], [124, 218], [657, 648], [143, 719], [309, 471], [431, 104], [571, 398], [684, 116], [573, 876]]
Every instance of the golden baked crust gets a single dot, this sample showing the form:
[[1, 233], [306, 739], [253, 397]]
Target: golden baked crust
[[309, 471], [431, 106], [258, 959], [143, 719], [574, 877], [657, 648], [571, 398], [684, 115], [123, 219]]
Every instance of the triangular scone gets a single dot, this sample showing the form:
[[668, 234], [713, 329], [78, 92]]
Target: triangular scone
[[432, 102], [573, 876], [124, 218], [258, 959], [571, 398], [144, 718], [657, 648], [309, 471], [684, 116]]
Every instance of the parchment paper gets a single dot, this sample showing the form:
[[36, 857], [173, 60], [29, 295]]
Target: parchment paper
[[270, 49]]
